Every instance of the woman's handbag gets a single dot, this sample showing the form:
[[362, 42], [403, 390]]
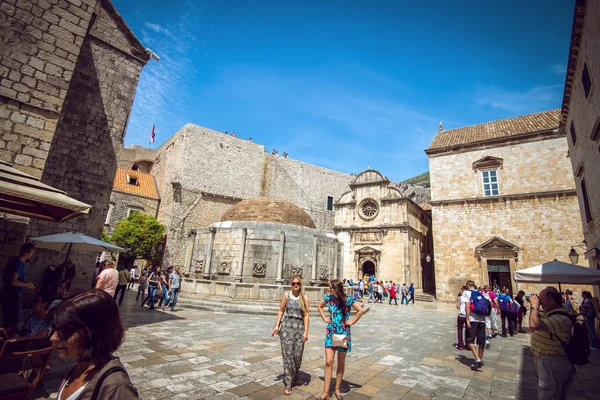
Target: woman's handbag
[[339, 340], [159, 292]]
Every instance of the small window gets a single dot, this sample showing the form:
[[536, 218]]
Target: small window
[[134, 167], [329, 203], [131, 180], [586, 81], [586, 202], [109, 214], [133, 211], [490, 182], [573, 135]]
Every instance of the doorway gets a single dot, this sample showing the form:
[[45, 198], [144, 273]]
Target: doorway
[[368, 268], [499, 273]]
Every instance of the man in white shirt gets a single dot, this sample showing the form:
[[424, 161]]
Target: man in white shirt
[[475, 324], [134, 275]]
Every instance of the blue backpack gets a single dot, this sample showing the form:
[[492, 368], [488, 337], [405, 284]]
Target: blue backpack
[[479, 304], [503, 302], [514, 307]]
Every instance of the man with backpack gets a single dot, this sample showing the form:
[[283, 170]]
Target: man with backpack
[[504, 302], [476, 307], [551, 344]]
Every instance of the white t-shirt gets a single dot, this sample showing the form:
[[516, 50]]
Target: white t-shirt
[[466, 300], [461, 311]]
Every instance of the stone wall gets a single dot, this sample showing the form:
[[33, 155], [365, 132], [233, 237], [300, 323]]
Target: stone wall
[[537, 166], [121, 203], [67, 88], [544, 228], [584, 114], [200, 173], [261, 244]]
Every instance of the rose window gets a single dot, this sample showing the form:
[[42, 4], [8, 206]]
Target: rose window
[[368, 208]]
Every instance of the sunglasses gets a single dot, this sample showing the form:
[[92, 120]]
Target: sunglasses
[[65, 333], [296, 283]]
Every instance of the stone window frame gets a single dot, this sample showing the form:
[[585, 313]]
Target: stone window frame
[[329, 203], [111, 207], [134, 209], [488, 164], [132, 180]]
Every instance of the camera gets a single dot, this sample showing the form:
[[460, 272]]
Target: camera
[[528, 296]]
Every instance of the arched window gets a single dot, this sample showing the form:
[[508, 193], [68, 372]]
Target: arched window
[[134, 167]]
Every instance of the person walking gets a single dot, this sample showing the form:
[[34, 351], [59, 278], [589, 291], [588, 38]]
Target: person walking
[[393, 294], [380, 292], [411, 291], [589, 316], [164, 285], [404, 291], [88, 329], [493, 318], [554, 370], [338, 323], [361, 287], [174, 289], [475, 322], [461, 319], [505, 301], [124, 278], [135, 272], [108, 279], [292, 327], [153, 282], [14, 278], [371, 289], [142, 286]]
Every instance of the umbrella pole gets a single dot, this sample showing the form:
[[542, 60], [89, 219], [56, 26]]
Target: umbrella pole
[[68, 252], [559, 288]]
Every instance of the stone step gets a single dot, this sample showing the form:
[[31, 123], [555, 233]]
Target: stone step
[[237, 307], [424, 297]]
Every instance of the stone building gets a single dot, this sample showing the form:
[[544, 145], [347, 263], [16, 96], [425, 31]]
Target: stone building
[[133, 191], [200, 173], [503, 198], [384, 233], [69, 71], [580, 120]]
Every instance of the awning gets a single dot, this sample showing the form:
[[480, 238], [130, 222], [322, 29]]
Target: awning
[[559, 272], [23, 194]]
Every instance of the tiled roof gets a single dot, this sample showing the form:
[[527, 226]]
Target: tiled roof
[[504, 128], [145, 183]]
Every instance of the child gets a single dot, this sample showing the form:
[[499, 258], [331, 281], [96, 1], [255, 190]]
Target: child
[[36, 325]]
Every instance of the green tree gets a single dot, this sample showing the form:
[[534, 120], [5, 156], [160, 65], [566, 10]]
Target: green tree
[[140, 234]]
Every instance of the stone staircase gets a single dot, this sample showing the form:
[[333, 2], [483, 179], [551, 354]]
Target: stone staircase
[[226, 305], [424, 297]]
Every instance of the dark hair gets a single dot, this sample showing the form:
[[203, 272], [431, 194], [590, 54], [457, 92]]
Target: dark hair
[[552, 293], [338, 288], [97, 313], [586, 295], [25, 248]]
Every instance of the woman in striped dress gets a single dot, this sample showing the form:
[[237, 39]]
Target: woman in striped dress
[[292, 328]]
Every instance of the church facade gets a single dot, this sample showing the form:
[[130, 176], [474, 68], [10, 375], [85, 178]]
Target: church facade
[[384, 233]]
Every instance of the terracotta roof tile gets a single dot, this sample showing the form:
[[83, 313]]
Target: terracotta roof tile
[[545, 120], [145, 183]]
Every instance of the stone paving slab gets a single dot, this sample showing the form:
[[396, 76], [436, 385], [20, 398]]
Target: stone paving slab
[[398, 352]]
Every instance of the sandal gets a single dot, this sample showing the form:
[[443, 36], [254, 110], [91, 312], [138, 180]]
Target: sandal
[[326, 394], [339, 396]]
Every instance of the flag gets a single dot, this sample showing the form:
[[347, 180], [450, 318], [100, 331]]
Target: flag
[[152, 137]]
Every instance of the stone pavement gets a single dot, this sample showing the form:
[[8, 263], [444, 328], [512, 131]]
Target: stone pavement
[[399, 352]]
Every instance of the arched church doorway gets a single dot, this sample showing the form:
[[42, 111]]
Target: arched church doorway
[[368, 268]]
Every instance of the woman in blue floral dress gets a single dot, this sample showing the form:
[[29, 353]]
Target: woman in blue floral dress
[[338, 322]]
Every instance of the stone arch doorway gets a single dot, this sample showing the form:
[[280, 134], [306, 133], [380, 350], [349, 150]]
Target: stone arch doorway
[[368, 268]]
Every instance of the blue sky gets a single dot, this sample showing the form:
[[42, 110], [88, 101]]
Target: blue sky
[[345, 84]]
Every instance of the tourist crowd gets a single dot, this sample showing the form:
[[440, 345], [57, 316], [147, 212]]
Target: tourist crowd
[[380, 291], [558, 342]]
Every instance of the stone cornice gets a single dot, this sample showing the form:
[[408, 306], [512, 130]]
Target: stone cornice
[[497, 142], [353, 228], [516, 196], [383, 182]]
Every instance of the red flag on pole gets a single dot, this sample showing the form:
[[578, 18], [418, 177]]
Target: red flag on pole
[[152, 137]]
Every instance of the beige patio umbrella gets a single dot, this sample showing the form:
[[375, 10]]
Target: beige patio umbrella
[[23, 194]]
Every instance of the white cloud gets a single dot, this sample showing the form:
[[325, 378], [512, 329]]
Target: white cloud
[[559, 69], [532, 100]]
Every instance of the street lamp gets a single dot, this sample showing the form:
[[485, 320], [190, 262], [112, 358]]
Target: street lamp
[[428, 258], [573, 256]]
